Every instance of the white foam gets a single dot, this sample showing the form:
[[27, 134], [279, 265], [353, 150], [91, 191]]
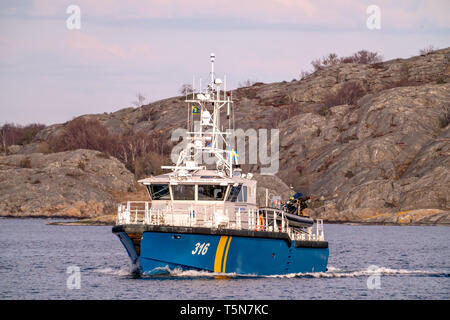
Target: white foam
[[115, 272], [332, 272], [339, 273]]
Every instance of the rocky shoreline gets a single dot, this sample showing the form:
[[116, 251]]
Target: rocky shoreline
[[370, 141]]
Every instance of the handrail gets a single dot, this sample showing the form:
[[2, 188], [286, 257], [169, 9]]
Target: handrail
[[141, 212]]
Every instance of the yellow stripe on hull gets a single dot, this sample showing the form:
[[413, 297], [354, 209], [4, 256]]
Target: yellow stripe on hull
[[226, 255], [219, 254]]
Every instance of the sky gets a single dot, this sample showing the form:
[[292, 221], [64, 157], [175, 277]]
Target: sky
[[56, 65]]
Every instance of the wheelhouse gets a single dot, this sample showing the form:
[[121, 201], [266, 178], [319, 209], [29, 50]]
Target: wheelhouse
[[202, 187]]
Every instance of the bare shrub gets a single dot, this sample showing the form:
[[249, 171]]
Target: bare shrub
[[186, 89], [330, 60], [149, 164], [427, 50], [304, 74], [246, 83], [140, 101], [349, 93], [11, 134], [29, 132], [365, 57], [131, 148], [317, 64], [83, 133], [360, 57]]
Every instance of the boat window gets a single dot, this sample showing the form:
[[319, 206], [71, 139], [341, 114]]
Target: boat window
[[183, 192], [211, 192], [159, 191], [234, 193], [243, 194]]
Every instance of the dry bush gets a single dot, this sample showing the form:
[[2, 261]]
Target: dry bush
[[364, 57], [349, 93], [83, 133], [11, 134], [149, 164], [29, 132], [186, 89], [246, 83], [304, 74], [134, 149], [360, 57], [427, 50], [140, 100]]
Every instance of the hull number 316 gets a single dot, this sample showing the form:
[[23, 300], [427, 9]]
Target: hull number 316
[[201, 248]]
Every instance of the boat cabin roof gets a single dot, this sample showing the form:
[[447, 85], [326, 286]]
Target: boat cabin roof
[[200, 176]]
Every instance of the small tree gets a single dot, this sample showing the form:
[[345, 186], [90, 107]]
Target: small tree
[[361, 57], [141, 100], [367, 57], [186, 89], [427, 50], [16, 134], [304, 74], [3, 137], [83, 133], [330, 60], [246, 83]]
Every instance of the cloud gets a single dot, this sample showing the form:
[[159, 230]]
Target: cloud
[[89, 47], [320, 13], [154, 46]]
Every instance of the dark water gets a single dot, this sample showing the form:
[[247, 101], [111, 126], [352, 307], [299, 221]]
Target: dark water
[[411, 263]]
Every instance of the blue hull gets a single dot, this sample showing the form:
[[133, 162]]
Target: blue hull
[[161, 251]]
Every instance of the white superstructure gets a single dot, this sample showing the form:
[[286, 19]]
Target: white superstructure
[[208, 194]]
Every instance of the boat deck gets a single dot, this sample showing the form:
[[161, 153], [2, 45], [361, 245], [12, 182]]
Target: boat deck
[[238, 221]]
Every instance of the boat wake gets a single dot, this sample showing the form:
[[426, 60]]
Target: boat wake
[[382, 271], [125, 271], [331, 273]]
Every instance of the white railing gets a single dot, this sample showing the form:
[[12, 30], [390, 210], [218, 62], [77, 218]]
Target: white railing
[[141, 212]]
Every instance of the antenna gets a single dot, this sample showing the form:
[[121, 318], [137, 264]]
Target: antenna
[[209, 135], [213, 58]]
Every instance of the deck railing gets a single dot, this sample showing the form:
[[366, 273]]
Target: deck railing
[[141, 212]]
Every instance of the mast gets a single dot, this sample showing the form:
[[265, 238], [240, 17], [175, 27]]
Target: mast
[[206, 136]]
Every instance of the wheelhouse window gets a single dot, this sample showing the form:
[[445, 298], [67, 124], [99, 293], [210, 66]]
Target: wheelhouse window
[[183, 192], [242, 197], [234, 193], [159, 191], [211, 192]]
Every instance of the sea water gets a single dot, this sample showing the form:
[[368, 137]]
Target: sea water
[[40, 261]]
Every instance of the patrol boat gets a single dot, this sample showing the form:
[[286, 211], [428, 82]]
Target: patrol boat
[[206, 218]]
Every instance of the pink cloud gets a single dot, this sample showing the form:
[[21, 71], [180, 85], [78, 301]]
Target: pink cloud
[[90, 47], [342, 13]]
